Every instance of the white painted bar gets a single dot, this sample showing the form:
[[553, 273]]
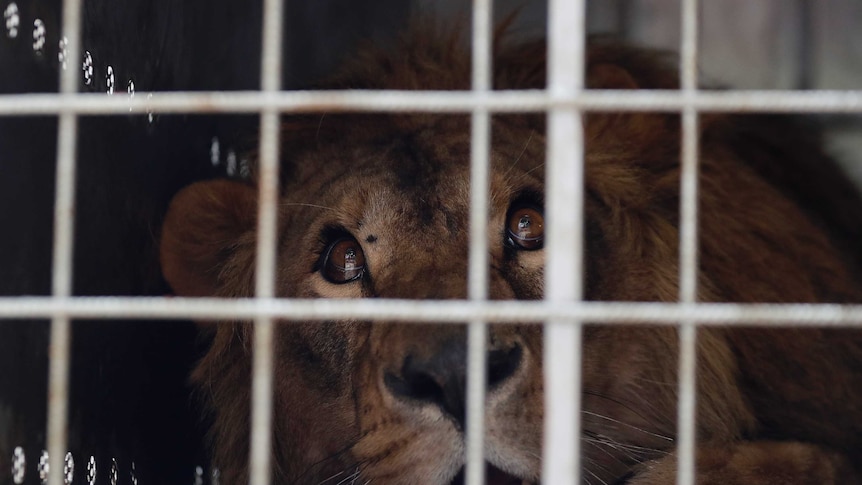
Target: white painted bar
[[742, 101], [564, 243], [267, 260], [688, 258], [64, 231], [477, 331], [446, 311]]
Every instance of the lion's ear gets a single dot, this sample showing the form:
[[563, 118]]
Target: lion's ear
[[208, 225]]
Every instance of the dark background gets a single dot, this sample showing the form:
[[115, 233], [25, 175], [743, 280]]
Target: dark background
[[129, 396]]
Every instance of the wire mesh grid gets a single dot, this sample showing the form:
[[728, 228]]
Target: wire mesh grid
[[562, 311]]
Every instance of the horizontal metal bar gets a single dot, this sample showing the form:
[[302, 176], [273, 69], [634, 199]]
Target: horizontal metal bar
[[452, 311], [433, 101]]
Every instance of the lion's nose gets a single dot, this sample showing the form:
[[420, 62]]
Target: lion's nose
[[441, 378]]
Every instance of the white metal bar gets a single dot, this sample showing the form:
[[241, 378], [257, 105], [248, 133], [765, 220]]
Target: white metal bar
[[482, 62], [64, 219], [261, 402], [686, 410], [564, 242], [688, 46], [64, 207], [688, 259], [477, 331], [271, 54], [263, 348], [72, 32], [58, 370], [267, 260], [58, 395], [477, 338], [444, 311], [268, 195], [742, 101]]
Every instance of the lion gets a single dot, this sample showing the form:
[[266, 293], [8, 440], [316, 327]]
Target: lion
[[376, 206]]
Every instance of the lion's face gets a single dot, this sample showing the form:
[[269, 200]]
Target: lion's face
[[399, 210], [383, 214], [377, 206], [387, 399]]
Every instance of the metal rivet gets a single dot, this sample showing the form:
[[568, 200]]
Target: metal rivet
[[215, 151], [68, 469], [63, 53], [43, 468], [91, 470], [38, 35], [199, 476], [19, 465], [13, 20], [133, 475], [150, 117], [231, 163], [244, 170], [115, 471], [130, 88], [87, 67], [109, 79]]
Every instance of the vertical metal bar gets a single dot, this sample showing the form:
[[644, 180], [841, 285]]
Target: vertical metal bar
[[266, 264], [72, 31], [58, 373], [564, 214], [64, 219], [805, 44], [477, 337], [477, 332], [687, 406], [624, 18], [688, 46], [481, 42], [686, 412]]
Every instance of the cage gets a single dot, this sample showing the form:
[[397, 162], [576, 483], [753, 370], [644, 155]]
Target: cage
[[154, 95]]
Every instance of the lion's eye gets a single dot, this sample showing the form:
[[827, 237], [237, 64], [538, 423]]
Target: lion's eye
[[343, 261], [525, 228]]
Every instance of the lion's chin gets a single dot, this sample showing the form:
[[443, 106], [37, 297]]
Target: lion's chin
[[493, 476]]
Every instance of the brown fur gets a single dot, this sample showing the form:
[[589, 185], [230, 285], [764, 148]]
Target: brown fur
[[774, 405]]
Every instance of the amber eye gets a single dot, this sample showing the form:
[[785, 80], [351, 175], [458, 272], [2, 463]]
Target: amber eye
[[343, 261], [525, 228]]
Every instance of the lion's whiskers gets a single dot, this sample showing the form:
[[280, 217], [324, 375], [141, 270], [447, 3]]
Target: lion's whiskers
[[352, 477], [594, 476], [319, 126], [520, 155], [628, 425], [655, 413], [528, 172], [349, 479], [602, 444], [338, 454], [331, 478], [303, 204], [626, 453]]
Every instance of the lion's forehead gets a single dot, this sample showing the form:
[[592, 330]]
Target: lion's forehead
[[409, 189]]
